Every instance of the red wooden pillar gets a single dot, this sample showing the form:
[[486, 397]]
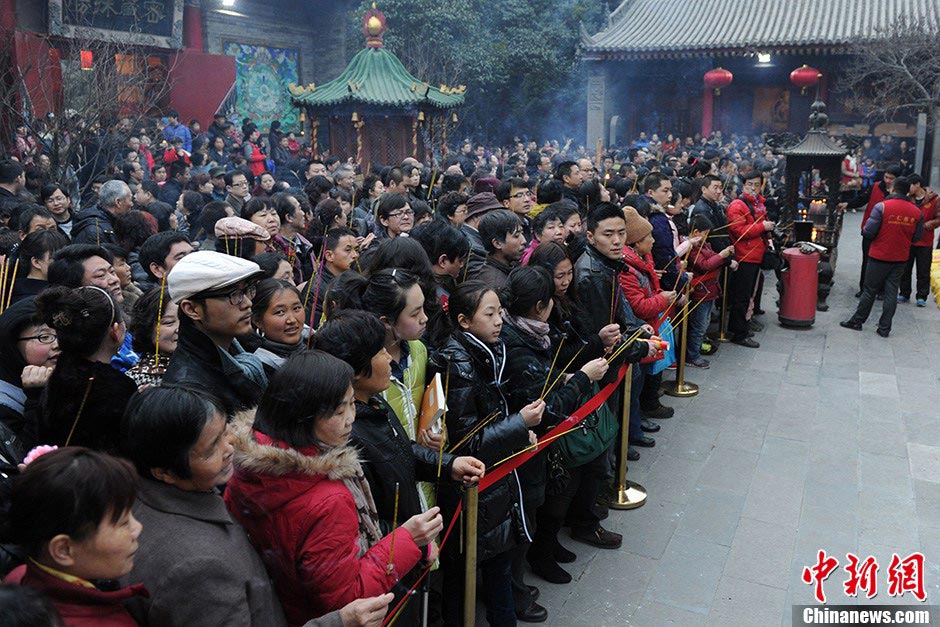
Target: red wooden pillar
[[192, 27], [708, 108], [8, 15]]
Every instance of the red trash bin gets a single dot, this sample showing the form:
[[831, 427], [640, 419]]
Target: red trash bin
[[800, 281]]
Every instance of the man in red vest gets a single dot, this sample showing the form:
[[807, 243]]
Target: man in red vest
[[893, 226], [750, 230], [878, 193], [929, 204]]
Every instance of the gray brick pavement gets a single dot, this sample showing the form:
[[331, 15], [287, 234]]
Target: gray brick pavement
[[821, 439]]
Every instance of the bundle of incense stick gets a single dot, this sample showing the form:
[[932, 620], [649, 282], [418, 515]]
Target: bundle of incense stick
[[391, 546], [159, 321], [476, 429]]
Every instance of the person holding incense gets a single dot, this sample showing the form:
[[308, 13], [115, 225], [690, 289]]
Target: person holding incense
[[393, 461], [154, 323], [85, 397], [750, 230], [195, 559], [703, 260], [339, 254], [600, 304], [300, 493], [472, 361], [641, 286], [71, 512], [533, 372]]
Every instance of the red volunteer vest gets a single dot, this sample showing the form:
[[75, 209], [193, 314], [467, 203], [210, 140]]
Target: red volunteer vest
[[898, 225]]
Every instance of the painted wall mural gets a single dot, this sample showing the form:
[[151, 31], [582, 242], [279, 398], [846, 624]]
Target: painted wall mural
[[262, 74]]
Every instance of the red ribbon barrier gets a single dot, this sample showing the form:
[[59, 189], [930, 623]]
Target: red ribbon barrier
[[502, 471], [705, 277], [571, 421]]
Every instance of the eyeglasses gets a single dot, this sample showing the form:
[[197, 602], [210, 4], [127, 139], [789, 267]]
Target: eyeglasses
[[42, 338], [402, 213], [236, 297], [241, 184], [518, 195]]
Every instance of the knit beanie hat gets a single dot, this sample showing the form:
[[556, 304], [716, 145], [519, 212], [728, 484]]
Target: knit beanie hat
[[638, 227]]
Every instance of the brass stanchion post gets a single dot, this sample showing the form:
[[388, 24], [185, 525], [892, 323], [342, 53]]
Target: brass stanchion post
[[471, 498], [723, 319], [627, 494], [680, 387]]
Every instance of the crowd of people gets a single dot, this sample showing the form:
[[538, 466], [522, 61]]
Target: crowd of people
[[218, 376]]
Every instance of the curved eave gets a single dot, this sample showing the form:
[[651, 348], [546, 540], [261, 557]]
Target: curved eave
[[816, 144], [602, 53], [303, 101]]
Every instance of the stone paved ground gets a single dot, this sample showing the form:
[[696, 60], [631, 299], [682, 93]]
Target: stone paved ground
[[821, 439]]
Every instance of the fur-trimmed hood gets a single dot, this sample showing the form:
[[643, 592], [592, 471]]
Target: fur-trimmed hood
[[256, 453]]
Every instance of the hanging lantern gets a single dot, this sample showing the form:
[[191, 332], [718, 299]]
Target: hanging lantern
[[86, 58], [717, 79], [805, 77]]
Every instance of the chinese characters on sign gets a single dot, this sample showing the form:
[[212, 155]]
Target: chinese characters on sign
[[144, 22], [903, 575], [153, 17]]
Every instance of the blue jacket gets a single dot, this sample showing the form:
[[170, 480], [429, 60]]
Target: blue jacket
[[664, 253], [181, 131]]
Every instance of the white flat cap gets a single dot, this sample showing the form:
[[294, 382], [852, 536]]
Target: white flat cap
[[207, 271]]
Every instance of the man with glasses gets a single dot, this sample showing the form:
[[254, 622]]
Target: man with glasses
[[236, 187], [749, 229], [214, 293], [586, 166], [516, 196]]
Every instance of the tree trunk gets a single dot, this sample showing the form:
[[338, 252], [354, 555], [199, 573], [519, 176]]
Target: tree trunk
[[935, 150]]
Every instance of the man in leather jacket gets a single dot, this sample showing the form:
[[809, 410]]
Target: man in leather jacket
[[214, 292]]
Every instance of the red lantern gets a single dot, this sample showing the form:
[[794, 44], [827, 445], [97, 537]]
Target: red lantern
[[717, 79], [87, 59], [804, 77]]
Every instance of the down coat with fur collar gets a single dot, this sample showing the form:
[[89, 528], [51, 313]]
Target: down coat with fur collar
[[303, 521]]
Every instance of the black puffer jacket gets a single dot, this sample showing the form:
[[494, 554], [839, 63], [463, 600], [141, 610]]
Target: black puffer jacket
[[476, 390], [527, 370], [93, 226], [196, 362], [595, 275], [388, 457]]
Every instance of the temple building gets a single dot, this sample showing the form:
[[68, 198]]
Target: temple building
[[646, 68], [376, 109], [231, 56]]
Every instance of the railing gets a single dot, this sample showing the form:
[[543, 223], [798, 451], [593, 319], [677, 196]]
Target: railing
[[228, 105]]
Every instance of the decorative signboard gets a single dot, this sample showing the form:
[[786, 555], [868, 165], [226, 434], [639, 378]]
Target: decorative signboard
[[157, 23]]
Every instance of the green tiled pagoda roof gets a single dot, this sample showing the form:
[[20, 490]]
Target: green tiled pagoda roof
[[376, 77]]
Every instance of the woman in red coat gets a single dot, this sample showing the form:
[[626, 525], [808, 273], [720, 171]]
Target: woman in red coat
[[641, 284], [252, 151], [71, 512], [300, 493]]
